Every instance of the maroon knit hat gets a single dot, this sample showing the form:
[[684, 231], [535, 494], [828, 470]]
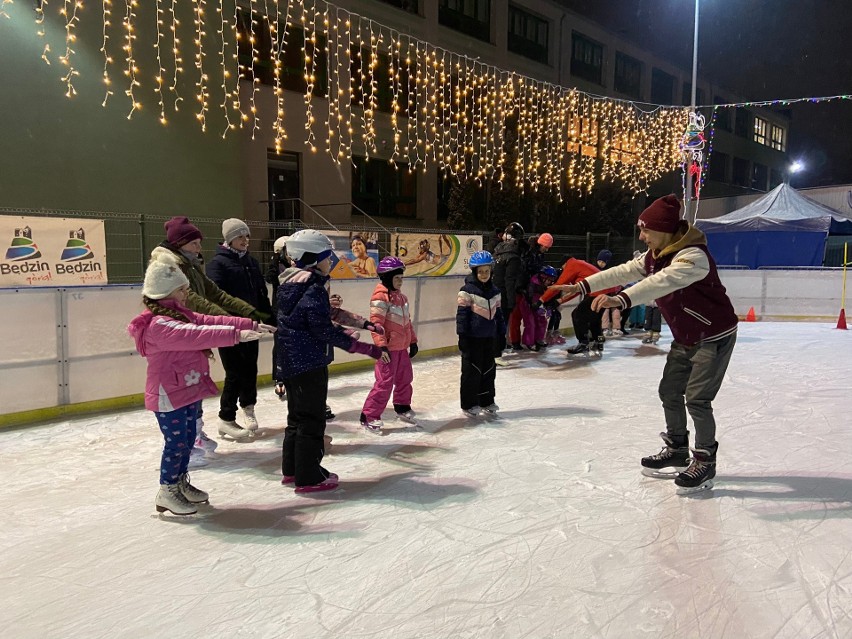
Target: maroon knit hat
[[663, 215], [180, 231]]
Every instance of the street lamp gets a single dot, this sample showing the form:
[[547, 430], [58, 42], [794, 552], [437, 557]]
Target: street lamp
[[687, 205], [797, 166]]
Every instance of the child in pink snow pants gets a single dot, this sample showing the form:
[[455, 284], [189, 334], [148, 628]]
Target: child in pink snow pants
[[389, 309], [535, 315]]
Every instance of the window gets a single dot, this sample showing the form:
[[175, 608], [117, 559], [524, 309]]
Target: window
[[292, 74], [472, 17], [779, 138], [382, 189], [528, 34], [741, 175], [717, 170], [662, 87], [761, 127], [723, 116], [628, 75], [741, 122], [586, 58], [759, 176], [687, 95], [411, 6]]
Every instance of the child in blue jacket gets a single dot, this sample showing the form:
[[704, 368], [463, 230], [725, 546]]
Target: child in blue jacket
[[306, 337], [482, 335]]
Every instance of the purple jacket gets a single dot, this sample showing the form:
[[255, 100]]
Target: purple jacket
[[178, 369]]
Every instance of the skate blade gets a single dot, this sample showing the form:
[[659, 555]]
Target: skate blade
[[377, 432], [707, 485], [663, 473]]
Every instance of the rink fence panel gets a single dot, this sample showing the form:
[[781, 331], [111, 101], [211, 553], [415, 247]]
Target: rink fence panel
[[66, 350]]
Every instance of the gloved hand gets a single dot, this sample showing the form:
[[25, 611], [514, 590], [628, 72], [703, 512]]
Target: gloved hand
[[464, 344], [266, 328], [378, 329], [542, 312], [351, 332], [260, 317], [536, 306], [249, 336], [385, 355], [363, 348], [336, 301], [412, 349]]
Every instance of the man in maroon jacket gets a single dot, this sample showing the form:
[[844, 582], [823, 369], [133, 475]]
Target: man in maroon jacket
[[678, 272]]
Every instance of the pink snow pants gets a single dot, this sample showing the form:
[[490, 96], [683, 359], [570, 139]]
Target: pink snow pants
[[394, 377], [535, 326]]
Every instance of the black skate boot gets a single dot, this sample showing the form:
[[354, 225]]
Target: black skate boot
[[579, 349], [329, 414], [671, 460], [597, 347], [699, 476]]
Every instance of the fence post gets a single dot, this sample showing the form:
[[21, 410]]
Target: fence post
[[143, 252]]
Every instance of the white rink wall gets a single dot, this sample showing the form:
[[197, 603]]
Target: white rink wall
[[67, 346]]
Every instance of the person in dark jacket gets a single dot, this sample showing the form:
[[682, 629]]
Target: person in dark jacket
[[237, 273], [511, 278], [183, 240], [482, 336], [277, 265], [679, 273], [306, 337]]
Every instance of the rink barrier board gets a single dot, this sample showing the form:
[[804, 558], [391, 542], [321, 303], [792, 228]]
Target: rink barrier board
[[63, 340]]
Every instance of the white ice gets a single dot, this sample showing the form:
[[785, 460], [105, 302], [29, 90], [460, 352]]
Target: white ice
[[538, 525]]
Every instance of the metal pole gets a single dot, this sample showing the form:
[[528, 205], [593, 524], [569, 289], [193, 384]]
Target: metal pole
[[687, 204]]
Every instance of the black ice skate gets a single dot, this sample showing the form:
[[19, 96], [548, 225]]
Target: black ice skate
[[597, 347], [582, 348], [699, 476], [670, 461]]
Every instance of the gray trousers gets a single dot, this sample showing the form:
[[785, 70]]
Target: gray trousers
[[691, 379]]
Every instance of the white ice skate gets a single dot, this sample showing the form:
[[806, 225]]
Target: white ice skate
[[490, 410], [249, 418], [233, 430], [193, 495], [373, 426], [473, 411], [170, 498]]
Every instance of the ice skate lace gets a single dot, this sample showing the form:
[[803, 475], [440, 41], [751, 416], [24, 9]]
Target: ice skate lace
[[696, 469]]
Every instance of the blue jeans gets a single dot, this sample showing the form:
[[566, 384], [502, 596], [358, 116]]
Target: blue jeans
[[691, 379], [178, 428]]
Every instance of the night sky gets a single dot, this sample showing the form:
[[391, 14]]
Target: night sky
[[762, 50]]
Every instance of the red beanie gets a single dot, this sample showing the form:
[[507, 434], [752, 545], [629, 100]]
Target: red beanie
[[663, 215], [180, 231]]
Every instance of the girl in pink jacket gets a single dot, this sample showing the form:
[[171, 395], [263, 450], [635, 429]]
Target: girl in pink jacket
[[389, 310], [177, 342]]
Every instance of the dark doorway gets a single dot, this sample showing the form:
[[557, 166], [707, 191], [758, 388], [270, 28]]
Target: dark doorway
[[284, 187]]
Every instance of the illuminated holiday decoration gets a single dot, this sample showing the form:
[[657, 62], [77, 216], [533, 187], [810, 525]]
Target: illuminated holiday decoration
[[692, 150]]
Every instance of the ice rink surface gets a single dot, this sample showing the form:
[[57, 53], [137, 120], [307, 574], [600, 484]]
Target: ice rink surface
[[536, 525]]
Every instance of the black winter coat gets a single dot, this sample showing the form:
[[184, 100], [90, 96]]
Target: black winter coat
[[240, 277], [510, 274]]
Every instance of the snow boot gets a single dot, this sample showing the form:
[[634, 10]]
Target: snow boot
[[171, 498]]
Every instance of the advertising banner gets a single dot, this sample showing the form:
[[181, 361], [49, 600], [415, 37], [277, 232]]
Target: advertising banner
[[45, 251], [356, 254], [435, 254]]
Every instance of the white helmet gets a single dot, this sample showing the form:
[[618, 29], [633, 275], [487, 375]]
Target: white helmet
[[280, 243], [308, 243]]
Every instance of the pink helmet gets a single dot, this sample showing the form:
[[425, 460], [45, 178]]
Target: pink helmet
[[545, 240], [389, 264]]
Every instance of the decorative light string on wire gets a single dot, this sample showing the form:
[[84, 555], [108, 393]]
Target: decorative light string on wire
[[692, 149]]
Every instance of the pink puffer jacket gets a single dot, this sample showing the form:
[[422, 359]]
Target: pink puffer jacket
[[178, 369], [389, 309]]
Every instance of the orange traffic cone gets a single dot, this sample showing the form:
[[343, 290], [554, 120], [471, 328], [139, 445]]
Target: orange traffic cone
[[750, 315], [841, 321]]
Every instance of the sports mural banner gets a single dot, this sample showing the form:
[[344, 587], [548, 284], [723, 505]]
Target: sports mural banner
[[50, 251], [356, 254], [435, 254]]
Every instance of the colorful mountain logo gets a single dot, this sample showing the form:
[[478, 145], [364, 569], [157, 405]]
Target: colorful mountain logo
[[22, 246], [76, 249]]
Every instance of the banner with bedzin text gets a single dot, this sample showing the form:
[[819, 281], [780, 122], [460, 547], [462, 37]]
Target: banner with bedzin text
[[435, 254], [49, 251]]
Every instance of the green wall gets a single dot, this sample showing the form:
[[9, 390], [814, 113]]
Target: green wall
[[62, 153]]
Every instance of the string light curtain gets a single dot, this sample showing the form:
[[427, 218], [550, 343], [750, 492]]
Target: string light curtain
[[470, 119]]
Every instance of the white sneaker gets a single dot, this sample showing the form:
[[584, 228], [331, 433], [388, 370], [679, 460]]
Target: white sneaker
[[491, 410], [209, 445], [373, 426], [233, 430], [249, 418], [171, 498], [472, 412]]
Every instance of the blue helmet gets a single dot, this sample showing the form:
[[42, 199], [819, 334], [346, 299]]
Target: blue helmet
[[480, 258], [549, 271]]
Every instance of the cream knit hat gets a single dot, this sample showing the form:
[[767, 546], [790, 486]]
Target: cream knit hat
[[163, 275], [232, 228]]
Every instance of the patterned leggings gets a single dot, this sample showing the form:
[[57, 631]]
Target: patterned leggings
[[178, 428]]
